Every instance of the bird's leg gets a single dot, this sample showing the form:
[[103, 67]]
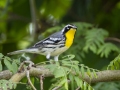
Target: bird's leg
[[48, 56], [56, 61], [56, 58]]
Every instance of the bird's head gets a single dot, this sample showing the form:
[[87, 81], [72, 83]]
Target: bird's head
[[69, 27]]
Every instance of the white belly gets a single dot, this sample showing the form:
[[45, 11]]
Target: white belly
[[53, 52], [59, 51]]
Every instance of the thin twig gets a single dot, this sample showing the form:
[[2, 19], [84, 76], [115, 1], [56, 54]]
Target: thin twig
[[41, 82], [28, 73], [29, 81], [78, 88], [21, 67], [113, 39], [31, 64], [57, 88]]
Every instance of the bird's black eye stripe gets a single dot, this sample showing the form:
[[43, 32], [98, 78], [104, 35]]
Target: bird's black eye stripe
[[67, 28]]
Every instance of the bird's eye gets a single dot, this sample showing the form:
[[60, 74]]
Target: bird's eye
[[68, 28]]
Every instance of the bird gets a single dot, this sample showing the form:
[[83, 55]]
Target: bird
[[53, 45]]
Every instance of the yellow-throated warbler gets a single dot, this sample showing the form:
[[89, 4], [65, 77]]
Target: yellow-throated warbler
[[53, 45]]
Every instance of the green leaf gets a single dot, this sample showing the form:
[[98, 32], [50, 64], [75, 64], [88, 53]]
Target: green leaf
[[116, 64], [68, 57], [85, 86], [71, 77], [4, 86], [51, 67], [59, 72], [66, 85], [106, 48], [0, 84], [94, 39], [76, 69], [8, 64], [95, 75], [10, 85], [93, 48], [88, 72], [82, 71], [66, 69], [66, 63], [0, 66], [62, 81], [75, 62], [14, 67], [1, 55], [14, 86], [78, 81], [17, 61], [81, 83], [112, 67], [89, 87], [7, 58]]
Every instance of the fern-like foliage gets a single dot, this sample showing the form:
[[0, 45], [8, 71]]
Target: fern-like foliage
[[12, 65], [88, 71], [94, 39], [106, 48], [95, 42], [5, 85], [114, 64], [69, 70], [107, 86]]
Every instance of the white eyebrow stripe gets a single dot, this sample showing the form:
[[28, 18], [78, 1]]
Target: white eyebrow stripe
[[68, 25], [48, 41], [63, 30], [54, 39]]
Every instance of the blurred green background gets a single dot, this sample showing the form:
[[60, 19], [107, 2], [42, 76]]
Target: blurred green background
[[24, 22]]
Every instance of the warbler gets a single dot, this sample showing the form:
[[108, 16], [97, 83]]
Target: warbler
[[53, 45]]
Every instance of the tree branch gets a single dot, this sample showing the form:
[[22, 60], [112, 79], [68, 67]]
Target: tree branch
[[34, 71], [113, 39], [103, 76], [5, 74]]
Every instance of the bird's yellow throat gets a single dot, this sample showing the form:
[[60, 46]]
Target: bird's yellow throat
[[70, 37]]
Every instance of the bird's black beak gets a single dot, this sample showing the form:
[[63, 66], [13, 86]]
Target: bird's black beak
[[74, 27]]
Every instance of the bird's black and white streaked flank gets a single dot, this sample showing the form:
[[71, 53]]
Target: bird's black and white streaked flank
[[53, 45]]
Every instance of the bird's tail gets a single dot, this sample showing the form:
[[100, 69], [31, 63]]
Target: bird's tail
[[23, 51]]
